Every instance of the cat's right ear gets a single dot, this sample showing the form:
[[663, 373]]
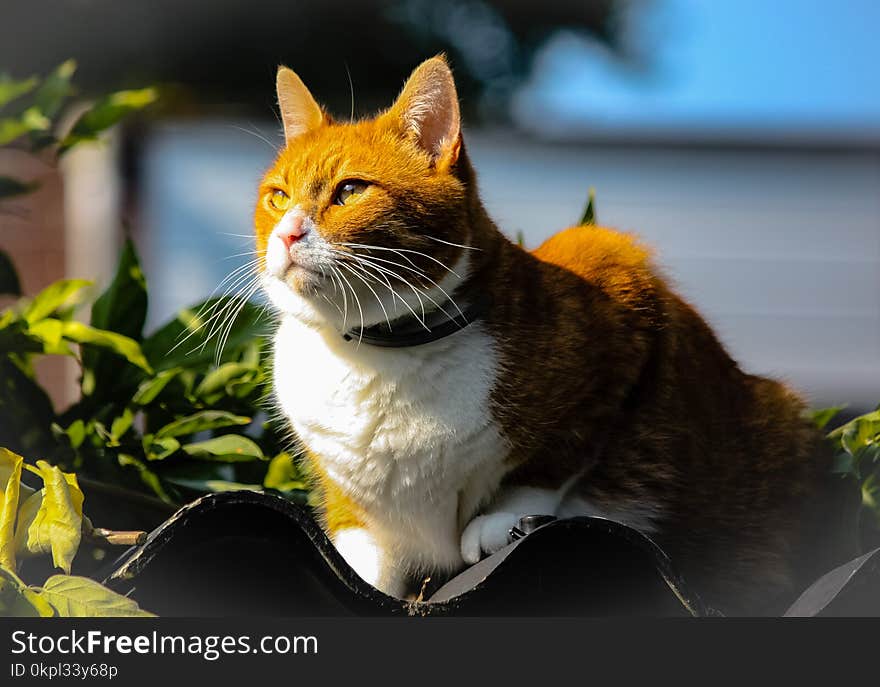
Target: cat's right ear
[[427, 110], [299, 111]]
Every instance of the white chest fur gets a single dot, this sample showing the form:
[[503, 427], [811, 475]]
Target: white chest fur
[[407, 432]]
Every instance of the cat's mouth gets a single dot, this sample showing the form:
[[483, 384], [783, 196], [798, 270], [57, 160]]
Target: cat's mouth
[[299, 270], [303, 278]]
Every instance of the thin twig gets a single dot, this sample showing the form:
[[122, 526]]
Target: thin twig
[[117, 537]]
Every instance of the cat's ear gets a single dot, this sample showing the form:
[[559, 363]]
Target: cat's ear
[[427, 109], [299, 111]]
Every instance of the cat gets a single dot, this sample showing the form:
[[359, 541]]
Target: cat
[[444, 381]]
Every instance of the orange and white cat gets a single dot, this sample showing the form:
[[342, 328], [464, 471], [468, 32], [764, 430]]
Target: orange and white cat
[[581, 384]]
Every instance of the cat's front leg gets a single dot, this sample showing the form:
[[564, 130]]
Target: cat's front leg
[[488, 532], [363, 552]]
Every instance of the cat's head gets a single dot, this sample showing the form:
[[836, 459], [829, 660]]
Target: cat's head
[[359, 222]]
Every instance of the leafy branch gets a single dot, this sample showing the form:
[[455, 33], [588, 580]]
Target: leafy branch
[[856, 447], [162, 413], [160, 416], [49, 520], [32, 110]]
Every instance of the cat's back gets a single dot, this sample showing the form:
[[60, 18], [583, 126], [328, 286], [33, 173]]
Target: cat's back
[[615, 261], [748, 460]]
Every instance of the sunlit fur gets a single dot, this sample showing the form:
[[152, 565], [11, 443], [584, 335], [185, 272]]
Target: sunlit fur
[[587, 386], [408, 188]]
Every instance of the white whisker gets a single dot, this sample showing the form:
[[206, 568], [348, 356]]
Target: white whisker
[[351, 269], [401, 251], [439, 288], [217, 320], [358, 303], [450, 243], [255, 134], [402, 300], [239, 255], [344, 299], [231, 320], [209, 310]]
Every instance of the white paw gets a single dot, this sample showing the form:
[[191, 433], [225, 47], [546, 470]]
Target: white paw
[[486, 534], [362, 552], [359, 550]]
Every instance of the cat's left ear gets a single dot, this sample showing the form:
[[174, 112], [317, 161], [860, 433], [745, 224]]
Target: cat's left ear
[[299, 111], [427, 110]]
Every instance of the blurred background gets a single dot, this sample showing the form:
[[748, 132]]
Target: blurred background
[[740, 138]]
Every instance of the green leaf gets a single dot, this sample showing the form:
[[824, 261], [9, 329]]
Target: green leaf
[[18, 601], [105, 113], [121, 425], [224, 379], [121, 309], [198, 470], [55, 89], [57, 525], [122, 345], [25, 412], [49, 332], [149, 389], [10, 89], [283, 475], [588, 218], [49, 98], [159, 448], [823, 416], [9, 281], [869, 418], [251, 353], [844, 465], [871, 453], [214, 485], [80, 597], [201, 421], [147, 476], [28, 122], [9, 188], [15, 337], [61, 294], [229, 448], [27, 511], [75, 433], [202, 476], [859, 433], [10, 483]]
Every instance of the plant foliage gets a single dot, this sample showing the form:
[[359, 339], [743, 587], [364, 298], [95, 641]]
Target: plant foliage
[[31, 111], [857, 454], [47, 521], [166, 413]]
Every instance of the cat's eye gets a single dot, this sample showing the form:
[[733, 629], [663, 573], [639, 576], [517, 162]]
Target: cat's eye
[[347, 189], [279, 199]]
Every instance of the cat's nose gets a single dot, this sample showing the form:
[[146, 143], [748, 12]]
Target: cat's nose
[[292, 230]]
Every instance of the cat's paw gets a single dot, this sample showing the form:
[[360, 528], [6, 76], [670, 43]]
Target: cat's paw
[[485, 535], [362, 552]]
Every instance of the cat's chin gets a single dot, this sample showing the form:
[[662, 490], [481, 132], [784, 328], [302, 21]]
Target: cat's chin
[[303, 303], [307, 304]]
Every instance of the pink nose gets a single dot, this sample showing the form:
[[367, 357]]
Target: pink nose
[[293, 231]]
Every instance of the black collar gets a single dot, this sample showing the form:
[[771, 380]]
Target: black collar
[[411, 330]]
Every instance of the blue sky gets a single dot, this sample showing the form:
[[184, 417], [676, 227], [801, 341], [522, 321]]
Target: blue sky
[[741, 69]]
